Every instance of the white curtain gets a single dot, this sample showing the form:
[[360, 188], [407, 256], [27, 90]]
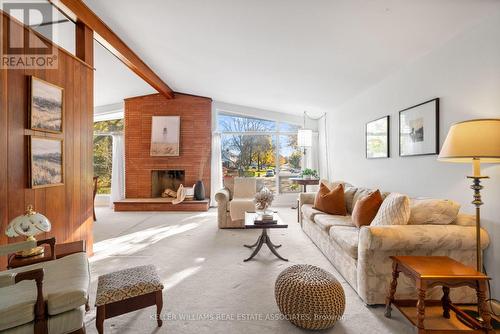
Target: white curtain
[[215, 167], [323, 157], [118, 170]]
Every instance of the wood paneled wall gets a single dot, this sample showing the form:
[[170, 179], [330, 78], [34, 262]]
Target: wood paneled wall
[[195, 144], [68, 207]]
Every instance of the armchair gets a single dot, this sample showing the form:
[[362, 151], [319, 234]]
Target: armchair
[[47, 297], [234, 199]]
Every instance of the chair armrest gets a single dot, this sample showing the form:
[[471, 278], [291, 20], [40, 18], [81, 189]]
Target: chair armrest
[[52, 243], [420, 237], [306, 198], [222, 196], [37, 276]]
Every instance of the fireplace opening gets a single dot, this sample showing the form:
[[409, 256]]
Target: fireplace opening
[[165, 179]]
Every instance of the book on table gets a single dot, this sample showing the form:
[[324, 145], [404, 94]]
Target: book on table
[[265, 219]]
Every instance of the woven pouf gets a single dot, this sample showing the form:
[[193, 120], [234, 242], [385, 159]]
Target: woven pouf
[[309, 297]]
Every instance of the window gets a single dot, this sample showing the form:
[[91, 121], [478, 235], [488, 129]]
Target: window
[[103, 152], [268, 150]]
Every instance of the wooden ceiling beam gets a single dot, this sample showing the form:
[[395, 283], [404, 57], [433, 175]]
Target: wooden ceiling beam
[[80, 12]]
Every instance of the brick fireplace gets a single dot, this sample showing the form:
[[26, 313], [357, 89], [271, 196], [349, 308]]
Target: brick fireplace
[[195, 142]]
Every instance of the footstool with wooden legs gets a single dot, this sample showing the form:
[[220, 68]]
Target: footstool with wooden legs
[[128, 290]]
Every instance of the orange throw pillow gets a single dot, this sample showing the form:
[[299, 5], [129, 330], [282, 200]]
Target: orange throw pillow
[[331, 201], [366, 209]]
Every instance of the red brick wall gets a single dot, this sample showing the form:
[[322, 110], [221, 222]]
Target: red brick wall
[[195, 144]]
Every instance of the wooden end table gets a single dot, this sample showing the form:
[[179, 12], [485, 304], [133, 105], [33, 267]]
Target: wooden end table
[[52, 251], [264, 237], [431, 271]]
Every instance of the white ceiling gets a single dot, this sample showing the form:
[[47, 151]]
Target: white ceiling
[[283, 55], [113, 81]]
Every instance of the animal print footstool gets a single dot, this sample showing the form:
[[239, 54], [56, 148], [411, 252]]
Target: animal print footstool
[[128, 290]]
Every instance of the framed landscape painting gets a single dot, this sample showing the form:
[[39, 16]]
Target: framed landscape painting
[[377, 138], [419, 129], [46, 106], [46, 162], [165, 136]]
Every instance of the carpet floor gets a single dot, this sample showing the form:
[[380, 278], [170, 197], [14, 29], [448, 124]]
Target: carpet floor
[[208, 287]]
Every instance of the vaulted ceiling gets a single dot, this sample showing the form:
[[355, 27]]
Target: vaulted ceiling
[[283, 55]]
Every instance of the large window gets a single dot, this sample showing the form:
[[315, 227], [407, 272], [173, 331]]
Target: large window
[[103, 152], [260, 148]]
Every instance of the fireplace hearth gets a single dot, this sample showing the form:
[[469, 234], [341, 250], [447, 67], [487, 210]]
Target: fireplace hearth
[[165, 179]]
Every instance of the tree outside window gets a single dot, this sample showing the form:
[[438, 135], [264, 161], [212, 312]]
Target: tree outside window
[[103, 152]]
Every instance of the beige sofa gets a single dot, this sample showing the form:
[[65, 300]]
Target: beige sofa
[[48, 297], [361, 255]]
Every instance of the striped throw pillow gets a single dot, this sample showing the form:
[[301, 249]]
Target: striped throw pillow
[[395, 210]]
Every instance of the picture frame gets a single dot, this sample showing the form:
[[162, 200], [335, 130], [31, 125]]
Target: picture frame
[[46, 157], [46, 106], [165, 136], [377, 138], [419, 129]]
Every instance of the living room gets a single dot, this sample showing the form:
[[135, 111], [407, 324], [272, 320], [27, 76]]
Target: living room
[[249, 167]]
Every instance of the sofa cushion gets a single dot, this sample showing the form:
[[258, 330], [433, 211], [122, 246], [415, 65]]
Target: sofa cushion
[[65, 287], [349, 193], [309, 211], [395, 210], [347, 237], [326, 221], [432, 211], [366, 209], [331, 201]]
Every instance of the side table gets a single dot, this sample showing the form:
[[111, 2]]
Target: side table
[[52, 252], [304, 183], [430, 271]]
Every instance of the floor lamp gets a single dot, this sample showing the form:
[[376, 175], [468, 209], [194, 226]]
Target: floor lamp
[[474, 141]]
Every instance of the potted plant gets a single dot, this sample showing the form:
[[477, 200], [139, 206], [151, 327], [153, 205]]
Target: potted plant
[[309, 174]]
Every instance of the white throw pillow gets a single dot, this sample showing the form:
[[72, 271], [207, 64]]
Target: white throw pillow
[[395, 210], [432, 211]]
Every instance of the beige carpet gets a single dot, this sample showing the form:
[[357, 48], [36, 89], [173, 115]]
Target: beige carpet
[[208, 287]]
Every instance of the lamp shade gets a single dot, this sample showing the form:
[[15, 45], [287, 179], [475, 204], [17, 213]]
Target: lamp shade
[[29, 224], [304, 138], [474, 139]]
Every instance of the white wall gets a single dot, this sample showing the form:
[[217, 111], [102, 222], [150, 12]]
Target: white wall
[[465, 74]]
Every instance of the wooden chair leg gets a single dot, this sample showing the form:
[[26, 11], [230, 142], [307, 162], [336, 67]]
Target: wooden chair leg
[[99, 320], [159, 306]]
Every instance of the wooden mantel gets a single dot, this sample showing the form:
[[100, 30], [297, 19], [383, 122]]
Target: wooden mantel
[[80, 12]]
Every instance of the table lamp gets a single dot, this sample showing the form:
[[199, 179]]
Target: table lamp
[[474, 141], [28, 225]]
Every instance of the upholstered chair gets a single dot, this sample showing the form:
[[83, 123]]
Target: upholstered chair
[[48, 297], [234, 199]]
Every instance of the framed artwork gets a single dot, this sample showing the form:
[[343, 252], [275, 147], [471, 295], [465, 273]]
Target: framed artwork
[[377, 138], [165, 136], [419, 129], [46, 106], [46, 162]]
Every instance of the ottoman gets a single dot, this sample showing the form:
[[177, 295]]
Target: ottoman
[[128, 290], [309, 297]]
